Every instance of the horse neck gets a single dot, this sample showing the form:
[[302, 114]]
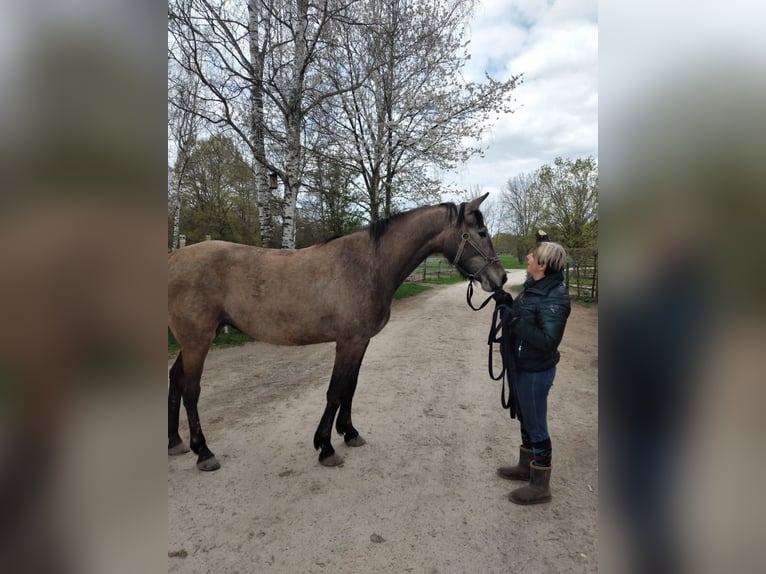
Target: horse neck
[[409, 239]]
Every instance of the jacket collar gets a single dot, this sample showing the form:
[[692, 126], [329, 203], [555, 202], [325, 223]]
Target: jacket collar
[[543, 286]]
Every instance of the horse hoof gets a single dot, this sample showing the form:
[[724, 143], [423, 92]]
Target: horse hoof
[[356, 441], [332, 460], [209, 464], [180, 448]]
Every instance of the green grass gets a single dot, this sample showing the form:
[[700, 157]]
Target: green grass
[[510, 262], [446, 280], [233, 337], [410, 289], [413, 288], [173, 347]]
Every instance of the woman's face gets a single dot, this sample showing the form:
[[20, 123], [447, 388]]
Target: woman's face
[[535, 269]]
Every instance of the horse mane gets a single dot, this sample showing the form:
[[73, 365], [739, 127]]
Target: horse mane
[[378, 229]]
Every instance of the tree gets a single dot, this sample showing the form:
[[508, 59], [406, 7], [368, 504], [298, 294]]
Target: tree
[[217, 194], [368, 89], [328, 207], [571, 192], [413, 112], [215, 43], [262, 76], [183, 124], [562, 199], [258, 44], [523, 204]]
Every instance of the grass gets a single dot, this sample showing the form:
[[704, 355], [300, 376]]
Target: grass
[[410, 289], [510, 262], [233, 337], [413, 288], [446, 280], [173, 347]]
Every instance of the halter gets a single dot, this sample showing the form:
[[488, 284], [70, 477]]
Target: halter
[[466, 238]]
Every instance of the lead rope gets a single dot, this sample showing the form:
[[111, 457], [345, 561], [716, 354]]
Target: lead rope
[[500, 333]]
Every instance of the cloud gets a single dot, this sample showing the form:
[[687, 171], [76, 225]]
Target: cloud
[[555, 46]]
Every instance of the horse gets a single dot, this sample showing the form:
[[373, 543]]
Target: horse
[[347, 299]]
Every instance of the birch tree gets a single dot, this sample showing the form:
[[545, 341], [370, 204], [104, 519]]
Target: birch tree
[[223, 47], [257, 35], [259, 72]]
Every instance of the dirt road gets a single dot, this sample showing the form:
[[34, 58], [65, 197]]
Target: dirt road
[[422, 495]]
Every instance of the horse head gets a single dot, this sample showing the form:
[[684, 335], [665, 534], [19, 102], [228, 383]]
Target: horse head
[[474, 256]]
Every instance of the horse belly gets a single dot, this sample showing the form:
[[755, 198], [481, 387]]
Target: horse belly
[[284, 328]]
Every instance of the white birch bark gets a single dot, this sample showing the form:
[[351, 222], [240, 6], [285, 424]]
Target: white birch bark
[[293, 121], [257, 141]]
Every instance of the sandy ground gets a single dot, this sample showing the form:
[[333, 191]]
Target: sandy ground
[[422, 495]]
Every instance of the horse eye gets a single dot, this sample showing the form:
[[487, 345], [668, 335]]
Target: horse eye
[[483, 233]]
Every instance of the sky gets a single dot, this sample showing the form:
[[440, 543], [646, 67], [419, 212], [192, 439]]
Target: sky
[[554, 44]]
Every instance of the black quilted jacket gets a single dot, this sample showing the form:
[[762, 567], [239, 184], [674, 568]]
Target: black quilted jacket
[[541, 310]]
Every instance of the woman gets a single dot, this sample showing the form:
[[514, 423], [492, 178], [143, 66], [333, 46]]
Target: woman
[[540, 315]]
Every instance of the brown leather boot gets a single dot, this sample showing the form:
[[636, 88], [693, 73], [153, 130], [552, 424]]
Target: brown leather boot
[[521, 470], [538, 490]]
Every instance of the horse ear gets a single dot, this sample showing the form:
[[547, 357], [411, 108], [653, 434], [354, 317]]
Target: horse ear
[[474, 204]]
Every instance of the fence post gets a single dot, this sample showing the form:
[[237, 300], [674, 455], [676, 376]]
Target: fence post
[[594, 284]]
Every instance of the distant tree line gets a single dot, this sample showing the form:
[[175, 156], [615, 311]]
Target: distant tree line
[[561, 199]]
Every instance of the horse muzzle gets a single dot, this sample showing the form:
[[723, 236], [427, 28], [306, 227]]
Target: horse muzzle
[[492, 277]]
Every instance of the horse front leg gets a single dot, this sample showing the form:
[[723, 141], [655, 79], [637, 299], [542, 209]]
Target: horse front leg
[[343, 424], [345, 372]]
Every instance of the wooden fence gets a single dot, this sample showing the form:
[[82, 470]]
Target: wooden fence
[[432, 268], [581, 275]]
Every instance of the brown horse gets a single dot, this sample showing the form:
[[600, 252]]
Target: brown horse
[[347, 299]]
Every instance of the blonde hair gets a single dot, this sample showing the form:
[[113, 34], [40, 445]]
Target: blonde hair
[[553, 255]]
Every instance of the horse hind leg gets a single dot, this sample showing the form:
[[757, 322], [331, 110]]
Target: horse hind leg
[[192, 367], [176, 445]]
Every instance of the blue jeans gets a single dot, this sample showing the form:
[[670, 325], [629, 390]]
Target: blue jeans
[[531, 392]]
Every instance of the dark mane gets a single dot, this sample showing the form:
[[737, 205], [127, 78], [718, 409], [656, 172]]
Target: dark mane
[[378, 229]]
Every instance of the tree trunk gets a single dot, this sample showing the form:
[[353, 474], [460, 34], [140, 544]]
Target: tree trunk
[[293, 121], [177, 220], [291, 181], [262, 189]]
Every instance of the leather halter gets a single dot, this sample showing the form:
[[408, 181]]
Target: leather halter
[[466, 239]]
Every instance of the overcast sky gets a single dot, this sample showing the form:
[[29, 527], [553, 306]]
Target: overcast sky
[[554, 43]]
